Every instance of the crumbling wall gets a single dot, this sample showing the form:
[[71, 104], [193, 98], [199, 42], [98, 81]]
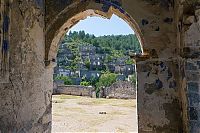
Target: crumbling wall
[[74, 90], [121, 90], [26, 99]]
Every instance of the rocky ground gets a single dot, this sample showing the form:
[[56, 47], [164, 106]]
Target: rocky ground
[[82, 114]]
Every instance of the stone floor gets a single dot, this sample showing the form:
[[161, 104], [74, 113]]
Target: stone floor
[[82, 114]]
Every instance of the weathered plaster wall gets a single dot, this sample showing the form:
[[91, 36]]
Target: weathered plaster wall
[[159, 107], [26, 99]]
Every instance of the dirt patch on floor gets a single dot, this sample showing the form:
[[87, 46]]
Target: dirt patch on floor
[[82, 114]]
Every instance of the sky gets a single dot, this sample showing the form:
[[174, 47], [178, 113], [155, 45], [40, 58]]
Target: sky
[[100, 26]]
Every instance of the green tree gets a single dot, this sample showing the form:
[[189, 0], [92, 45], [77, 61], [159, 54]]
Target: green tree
[[87, 63], [129, 61], [108, 58], [85, 83], [67, 80], [93, 81], [133, 79], [106, 79]]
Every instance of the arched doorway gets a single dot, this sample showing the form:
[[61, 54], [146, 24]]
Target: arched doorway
[[156, 93], [81, 15], [103, 52]]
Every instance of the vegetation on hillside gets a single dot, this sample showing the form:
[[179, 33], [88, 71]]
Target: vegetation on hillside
[[106, 80], [67, 80], [114, 46]]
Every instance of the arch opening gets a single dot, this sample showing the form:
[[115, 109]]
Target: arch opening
[[125, 87], [65, 27]]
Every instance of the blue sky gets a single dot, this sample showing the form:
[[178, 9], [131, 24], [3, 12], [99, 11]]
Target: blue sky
[[100, 26]]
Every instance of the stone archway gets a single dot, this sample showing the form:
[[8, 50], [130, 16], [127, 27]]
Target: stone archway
[[90, 11], [159, 107]]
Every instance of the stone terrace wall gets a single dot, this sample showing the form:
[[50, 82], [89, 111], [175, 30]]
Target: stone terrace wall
[[73, 90], [122, 90]]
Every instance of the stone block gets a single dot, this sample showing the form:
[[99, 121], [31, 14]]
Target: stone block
[[197, 12], [192, 76], [189, 20], [198, 64], [190, 66], [46, 118], [193, 127], [193, 87], [94, 94], [193, 113], [193, 99]]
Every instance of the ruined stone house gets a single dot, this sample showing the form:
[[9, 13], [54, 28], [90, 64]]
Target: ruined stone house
[[86, 52], [168, 69], [96, 61], [89, 74]]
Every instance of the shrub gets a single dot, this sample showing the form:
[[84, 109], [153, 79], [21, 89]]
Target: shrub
[[67, 80], [133, 79], [85, 83], [107, 79]]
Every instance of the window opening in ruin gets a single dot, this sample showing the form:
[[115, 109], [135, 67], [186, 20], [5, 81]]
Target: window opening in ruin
[[95, 78]]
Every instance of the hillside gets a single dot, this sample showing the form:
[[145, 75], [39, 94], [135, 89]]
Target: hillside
[[108, 43], [89, 60]]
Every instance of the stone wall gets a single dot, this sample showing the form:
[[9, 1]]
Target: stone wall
[[73, 90], [26, 97], [158, 94], [121, 90], [191, 68]]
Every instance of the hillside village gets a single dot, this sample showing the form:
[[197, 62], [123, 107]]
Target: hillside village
[[96, 65], [81, 63]]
